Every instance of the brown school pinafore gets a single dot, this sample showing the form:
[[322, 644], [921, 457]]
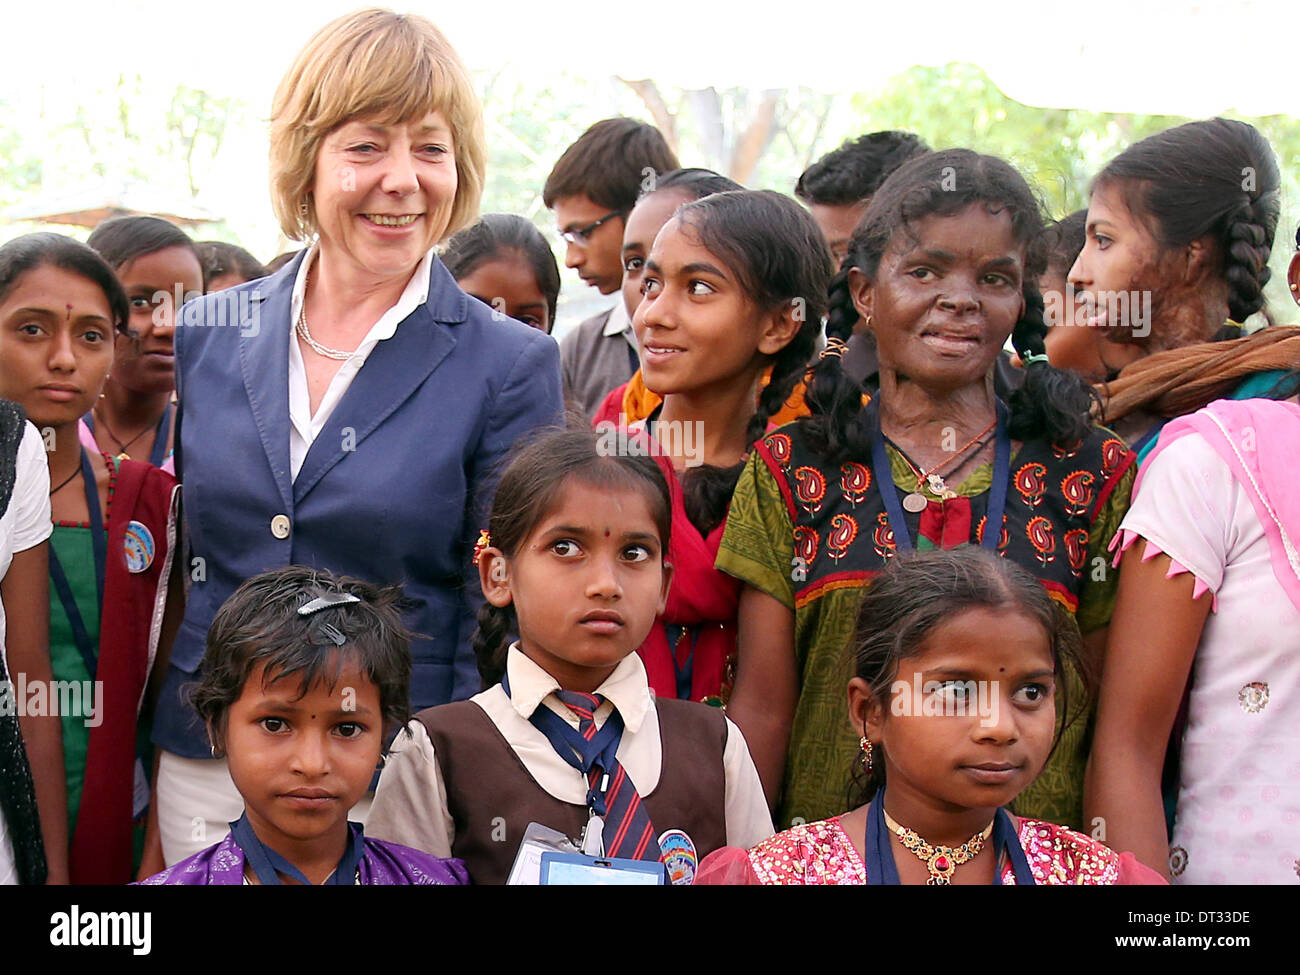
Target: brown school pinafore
[[492, 797]]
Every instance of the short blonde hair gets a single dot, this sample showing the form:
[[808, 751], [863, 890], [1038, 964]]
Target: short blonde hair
[[371, 64]]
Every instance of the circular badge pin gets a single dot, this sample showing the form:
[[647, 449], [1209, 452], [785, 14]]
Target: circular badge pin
[[139, 547], [679, 855]]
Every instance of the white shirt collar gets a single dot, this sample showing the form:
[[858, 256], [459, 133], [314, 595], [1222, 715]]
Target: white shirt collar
[[618, 322], [415, 294], [627, 688]]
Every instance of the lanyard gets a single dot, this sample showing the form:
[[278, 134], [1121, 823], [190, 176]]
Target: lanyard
[[59, 578], [889, 490], [159, 454], [577, 751], [880, 855], [268, 865]]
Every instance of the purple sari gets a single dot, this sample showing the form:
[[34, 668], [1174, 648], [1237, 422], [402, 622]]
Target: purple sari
[[382, 863]]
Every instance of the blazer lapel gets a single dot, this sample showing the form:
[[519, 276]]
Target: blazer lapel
[[264, 364], [391, 374]]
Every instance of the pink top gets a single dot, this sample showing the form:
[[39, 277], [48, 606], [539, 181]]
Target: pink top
[[822, 853]]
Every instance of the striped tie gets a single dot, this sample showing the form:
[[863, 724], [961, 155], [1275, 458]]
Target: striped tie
[[628, 831]]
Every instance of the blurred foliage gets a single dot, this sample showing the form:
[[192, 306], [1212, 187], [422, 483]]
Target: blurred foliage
[[175, 139]]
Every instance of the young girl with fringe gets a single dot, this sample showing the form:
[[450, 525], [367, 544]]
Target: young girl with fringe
[[572, 737], [305, 673], [959, 661], [733, 293], [942, 270]]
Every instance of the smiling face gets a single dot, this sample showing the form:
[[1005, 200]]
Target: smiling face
[[586, 585], [144, 362], [55, 345], [508, 284], [597, 260], [945, 298], [643, 225], [697, 329], [302, 760], [383, 194], [941, 751]]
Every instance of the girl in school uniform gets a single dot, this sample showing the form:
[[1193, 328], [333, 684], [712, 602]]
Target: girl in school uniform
[[110, 555], [958, 660], [572, 738], [303, 674]]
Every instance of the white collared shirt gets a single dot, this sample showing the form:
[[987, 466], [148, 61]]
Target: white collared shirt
[[411, 806], [619, 324], [305, 426]]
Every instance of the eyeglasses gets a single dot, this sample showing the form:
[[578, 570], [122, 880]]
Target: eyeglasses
[[582, 235]]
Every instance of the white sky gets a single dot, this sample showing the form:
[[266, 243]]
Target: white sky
[[1187, 58], [1180, 57]]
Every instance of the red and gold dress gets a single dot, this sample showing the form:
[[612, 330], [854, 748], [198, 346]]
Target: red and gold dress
[[822, 853]]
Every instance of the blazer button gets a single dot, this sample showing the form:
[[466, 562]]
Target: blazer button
[[280, 526]]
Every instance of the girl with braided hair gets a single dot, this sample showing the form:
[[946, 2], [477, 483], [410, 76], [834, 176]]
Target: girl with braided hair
[[733, 293], [1181, 225], [942, 270]]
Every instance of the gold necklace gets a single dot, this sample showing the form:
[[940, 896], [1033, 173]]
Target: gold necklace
[[940, 860]]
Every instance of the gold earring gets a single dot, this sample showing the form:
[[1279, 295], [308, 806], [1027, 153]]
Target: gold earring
[[864, 743], [1295, 287]]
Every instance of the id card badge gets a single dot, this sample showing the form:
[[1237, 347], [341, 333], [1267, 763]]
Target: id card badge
[[579, 870], [538, 839]]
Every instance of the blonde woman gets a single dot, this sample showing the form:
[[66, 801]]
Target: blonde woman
[[348, 411]]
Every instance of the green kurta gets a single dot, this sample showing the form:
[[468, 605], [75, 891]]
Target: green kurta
[[758, 548]]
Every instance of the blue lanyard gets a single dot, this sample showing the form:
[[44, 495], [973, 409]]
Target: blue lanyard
[[577, 751], [879, 855], [884, 476], [159, 453], [268, 865], [59, 578]]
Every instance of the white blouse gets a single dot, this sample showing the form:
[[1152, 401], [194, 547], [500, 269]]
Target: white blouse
[[1238, 814]]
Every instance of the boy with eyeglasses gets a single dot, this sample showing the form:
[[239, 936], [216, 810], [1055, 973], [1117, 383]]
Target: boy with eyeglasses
[[591, 190]]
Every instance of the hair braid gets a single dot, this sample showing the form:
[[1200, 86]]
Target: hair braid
[[1053, 403], [496, 625], [834, 399], [1246, 262]]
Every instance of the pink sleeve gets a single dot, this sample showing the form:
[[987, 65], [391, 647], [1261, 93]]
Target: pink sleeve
[[728, 866], [1133, 873]]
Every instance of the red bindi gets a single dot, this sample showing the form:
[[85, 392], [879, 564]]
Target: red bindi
[[607, 533]]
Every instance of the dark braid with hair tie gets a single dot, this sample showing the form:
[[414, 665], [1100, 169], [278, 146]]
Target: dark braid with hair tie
[[834, 427], [496, 628], [1246, 262], [1052, 403]]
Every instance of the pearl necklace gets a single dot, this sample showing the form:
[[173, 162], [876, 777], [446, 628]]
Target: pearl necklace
[[322, 350], [339, 355]]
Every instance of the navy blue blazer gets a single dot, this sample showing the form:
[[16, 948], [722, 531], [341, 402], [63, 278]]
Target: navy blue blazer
[[393, 490]]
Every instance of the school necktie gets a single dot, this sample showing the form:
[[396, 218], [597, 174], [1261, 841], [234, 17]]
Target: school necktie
[[628, 831]]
